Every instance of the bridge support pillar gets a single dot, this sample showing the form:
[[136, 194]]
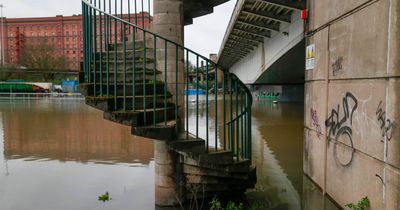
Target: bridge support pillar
[[168, 22], [168, 180]]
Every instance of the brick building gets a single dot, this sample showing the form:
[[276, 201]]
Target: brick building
[[63, 33]]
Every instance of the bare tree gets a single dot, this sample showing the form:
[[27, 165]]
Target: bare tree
[[42, 56]]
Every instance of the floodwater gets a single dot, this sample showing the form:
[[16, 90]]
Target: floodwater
[[58, 154]]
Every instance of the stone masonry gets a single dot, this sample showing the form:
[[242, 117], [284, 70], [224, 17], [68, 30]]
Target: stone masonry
[[168, 22]]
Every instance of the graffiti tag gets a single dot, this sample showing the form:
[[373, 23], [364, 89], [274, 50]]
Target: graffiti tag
[[334, 123], [315, 123], [387, 126], [340, 127], [337, 65]]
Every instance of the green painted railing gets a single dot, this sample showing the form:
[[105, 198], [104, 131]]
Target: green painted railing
[[116, 42]]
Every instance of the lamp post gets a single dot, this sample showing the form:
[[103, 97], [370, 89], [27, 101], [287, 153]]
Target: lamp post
[[2, 35]]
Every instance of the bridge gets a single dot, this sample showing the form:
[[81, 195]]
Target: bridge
[[349, 80], [264, 46], [138, 77]]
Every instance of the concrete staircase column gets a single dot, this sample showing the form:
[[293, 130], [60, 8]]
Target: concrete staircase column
[[168, 22], [169, 184]]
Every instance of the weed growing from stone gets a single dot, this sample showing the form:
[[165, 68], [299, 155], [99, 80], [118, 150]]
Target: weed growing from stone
[[363, 204]]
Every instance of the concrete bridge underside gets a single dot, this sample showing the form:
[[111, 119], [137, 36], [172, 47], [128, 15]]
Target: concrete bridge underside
[[264, 46], [288, 69]]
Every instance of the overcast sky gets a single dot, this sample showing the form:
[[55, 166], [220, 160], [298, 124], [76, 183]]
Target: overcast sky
[[203, 36]]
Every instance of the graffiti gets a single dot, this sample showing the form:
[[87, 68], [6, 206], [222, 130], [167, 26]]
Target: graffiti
[[337, 65], [315, 123], [268, 95], [333, 122], [386, 125], [340, 128]]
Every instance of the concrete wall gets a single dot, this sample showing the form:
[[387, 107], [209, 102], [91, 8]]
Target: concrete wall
[[352, 114], [250, 68]]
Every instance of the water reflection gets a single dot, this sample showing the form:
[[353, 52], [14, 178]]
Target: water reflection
[[68, 131], [61, 154]]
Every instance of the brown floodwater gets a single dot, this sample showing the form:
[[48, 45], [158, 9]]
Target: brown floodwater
[[60, 154]]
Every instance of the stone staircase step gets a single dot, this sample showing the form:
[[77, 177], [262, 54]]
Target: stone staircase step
[[88, 89], [220, 157], [194, 170], [137, 118], [129, 46], [189, 146], [139, 53], [237, 166], [120, 68], [160, 131], [128, 79], [108, 103], [121, 60], [128, 63], [129, 72]]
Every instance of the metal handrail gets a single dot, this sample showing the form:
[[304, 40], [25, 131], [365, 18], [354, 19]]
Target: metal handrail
[[98, 70]]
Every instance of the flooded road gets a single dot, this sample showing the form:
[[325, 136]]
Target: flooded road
[[61, 154]]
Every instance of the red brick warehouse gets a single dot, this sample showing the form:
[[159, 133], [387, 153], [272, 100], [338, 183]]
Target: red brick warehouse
[[63, 33]]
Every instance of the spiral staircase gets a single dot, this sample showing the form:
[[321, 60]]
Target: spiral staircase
[[141, 79]]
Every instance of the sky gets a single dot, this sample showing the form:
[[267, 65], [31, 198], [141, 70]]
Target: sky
[[204, 36]]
